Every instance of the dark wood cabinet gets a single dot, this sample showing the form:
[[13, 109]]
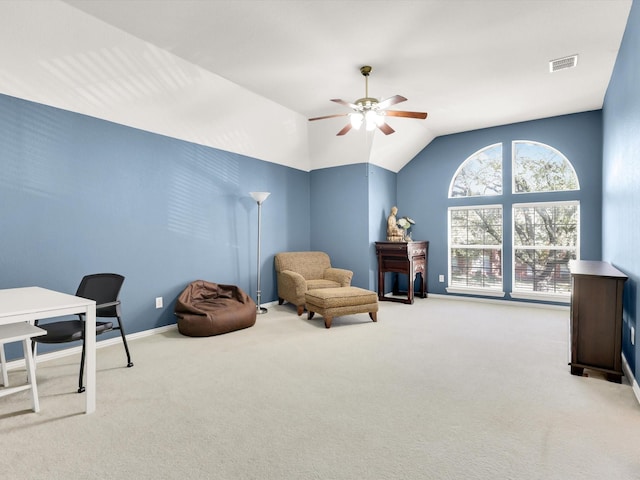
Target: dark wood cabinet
[[596, 318], [409, 258]]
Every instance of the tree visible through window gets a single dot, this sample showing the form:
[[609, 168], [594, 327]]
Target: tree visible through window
[[480, 174], [544, 235], [545, 239], [475, 241], [540, 168]]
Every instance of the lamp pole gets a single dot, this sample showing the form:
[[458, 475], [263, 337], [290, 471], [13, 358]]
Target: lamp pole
[[259, 197]]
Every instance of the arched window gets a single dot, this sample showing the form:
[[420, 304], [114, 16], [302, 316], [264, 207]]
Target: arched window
[[540, 168], [543, 235], [480, 174]]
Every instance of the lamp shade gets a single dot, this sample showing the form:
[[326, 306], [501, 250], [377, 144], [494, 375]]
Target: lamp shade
[[260, 196]]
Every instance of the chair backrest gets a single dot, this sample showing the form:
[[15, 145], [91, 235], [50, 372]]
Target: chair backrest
[[311, 265], [103, 288]]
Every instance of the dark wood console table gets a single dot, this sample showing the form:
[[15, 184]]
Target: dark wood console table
[[596, 318], [409, 258]]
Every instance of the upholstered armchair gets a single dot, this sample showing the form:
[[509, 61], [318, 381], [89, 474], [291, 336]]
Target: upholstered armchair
[[298, 272]]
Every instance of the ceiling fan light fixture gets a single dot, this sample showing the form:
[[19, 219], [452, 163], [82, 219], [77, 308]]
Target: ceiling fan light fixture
[[371, 111], [370, 116], [356, 120], [373, 119]]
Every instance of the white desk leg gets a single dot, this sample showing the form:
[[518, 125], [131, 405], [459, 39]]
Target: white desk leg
[[31, 374], [90, 358], [3, 366]]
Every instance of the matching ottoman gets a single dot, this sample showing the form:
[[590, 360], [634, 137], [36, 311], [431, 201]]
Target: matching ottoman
[[336, 302]]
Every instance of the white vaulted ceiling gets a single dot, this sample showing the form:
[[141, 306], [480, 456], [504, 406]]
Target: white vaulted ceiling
[[245, 75]]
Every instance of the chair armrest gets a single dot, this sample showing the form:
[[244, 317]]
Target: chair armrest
[[340, 275], [108, 304], [292, 284], [293, 281]]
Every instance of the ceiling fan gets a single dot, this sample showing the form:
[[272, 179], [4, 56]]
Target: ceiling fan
[[370, 111]]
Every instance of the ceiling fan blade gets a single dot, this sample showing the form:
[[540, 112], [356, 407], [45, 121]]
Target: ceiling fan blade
[[387, 102], [398, 113], [346, 104], [346, 128], [386, 129], [329, 116]]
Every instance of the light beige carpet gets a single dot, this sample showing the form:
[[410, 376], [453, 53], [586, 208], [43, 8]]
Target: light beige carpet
[[440, 389]]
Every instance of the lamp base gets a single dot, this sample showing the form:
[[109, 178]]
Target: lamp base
[[260, 310]]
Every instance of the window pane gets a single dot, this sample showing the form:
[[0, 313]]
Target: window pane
[[459, 235], [545, 239], [476, 247], [540, 168], [543, 270], [476, 268], [480, 174], [481, 226], [546, 225]]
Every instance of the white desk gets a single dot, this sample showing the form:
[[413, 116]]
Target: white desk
[[35, 303]]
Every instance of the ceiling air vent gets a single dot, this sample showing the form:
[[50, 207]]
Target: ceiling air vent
[[563, 63]]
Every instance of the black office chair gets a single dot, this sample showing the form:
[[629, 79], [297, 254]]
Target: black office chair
[[104, 288]]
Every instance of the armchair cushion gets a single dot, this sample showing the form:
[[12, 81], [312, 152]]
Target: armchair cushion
[[298, 272]]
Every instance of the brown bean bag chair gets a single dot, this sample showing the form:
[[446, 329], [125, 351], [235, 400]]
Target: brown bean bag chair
[[204, 309]]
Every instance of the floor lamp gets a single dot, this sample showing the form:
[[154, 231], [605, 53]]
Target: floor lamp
[[259, 197]]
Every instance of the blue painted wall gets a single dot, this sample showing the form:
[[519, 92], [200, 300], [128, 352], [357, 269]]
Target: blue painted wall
[[382, 196], [339, 223], [80, 195], [423, 184], [349, 208], [621, 172]]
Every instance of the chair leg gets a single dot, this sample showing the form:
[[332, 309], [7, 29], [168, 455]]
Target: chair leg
[[3, 365], [81, 377], [34, 348], [126, 346]]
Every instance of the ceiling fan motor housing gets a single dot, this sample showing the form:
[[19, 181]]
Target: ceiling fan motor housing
[[367, 103]]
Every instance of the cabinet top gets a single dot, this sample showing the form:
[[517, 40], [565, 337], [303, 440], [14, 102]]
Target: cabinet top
[[594, 268]]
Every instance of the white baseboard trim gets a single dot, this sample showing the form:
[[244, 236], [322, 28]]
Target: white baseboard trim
[[508, 303], [632, 380], [15, 364]]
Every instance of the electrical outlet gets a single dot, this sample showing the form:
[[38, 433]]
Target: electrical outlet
[[158, 302], [441, 278]]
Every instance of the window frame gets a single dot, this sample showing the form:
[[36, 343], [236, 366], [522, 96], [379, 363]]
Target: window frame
[[557, 152], [480, 268], [466, 161], [542, 296], [487, 292]]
